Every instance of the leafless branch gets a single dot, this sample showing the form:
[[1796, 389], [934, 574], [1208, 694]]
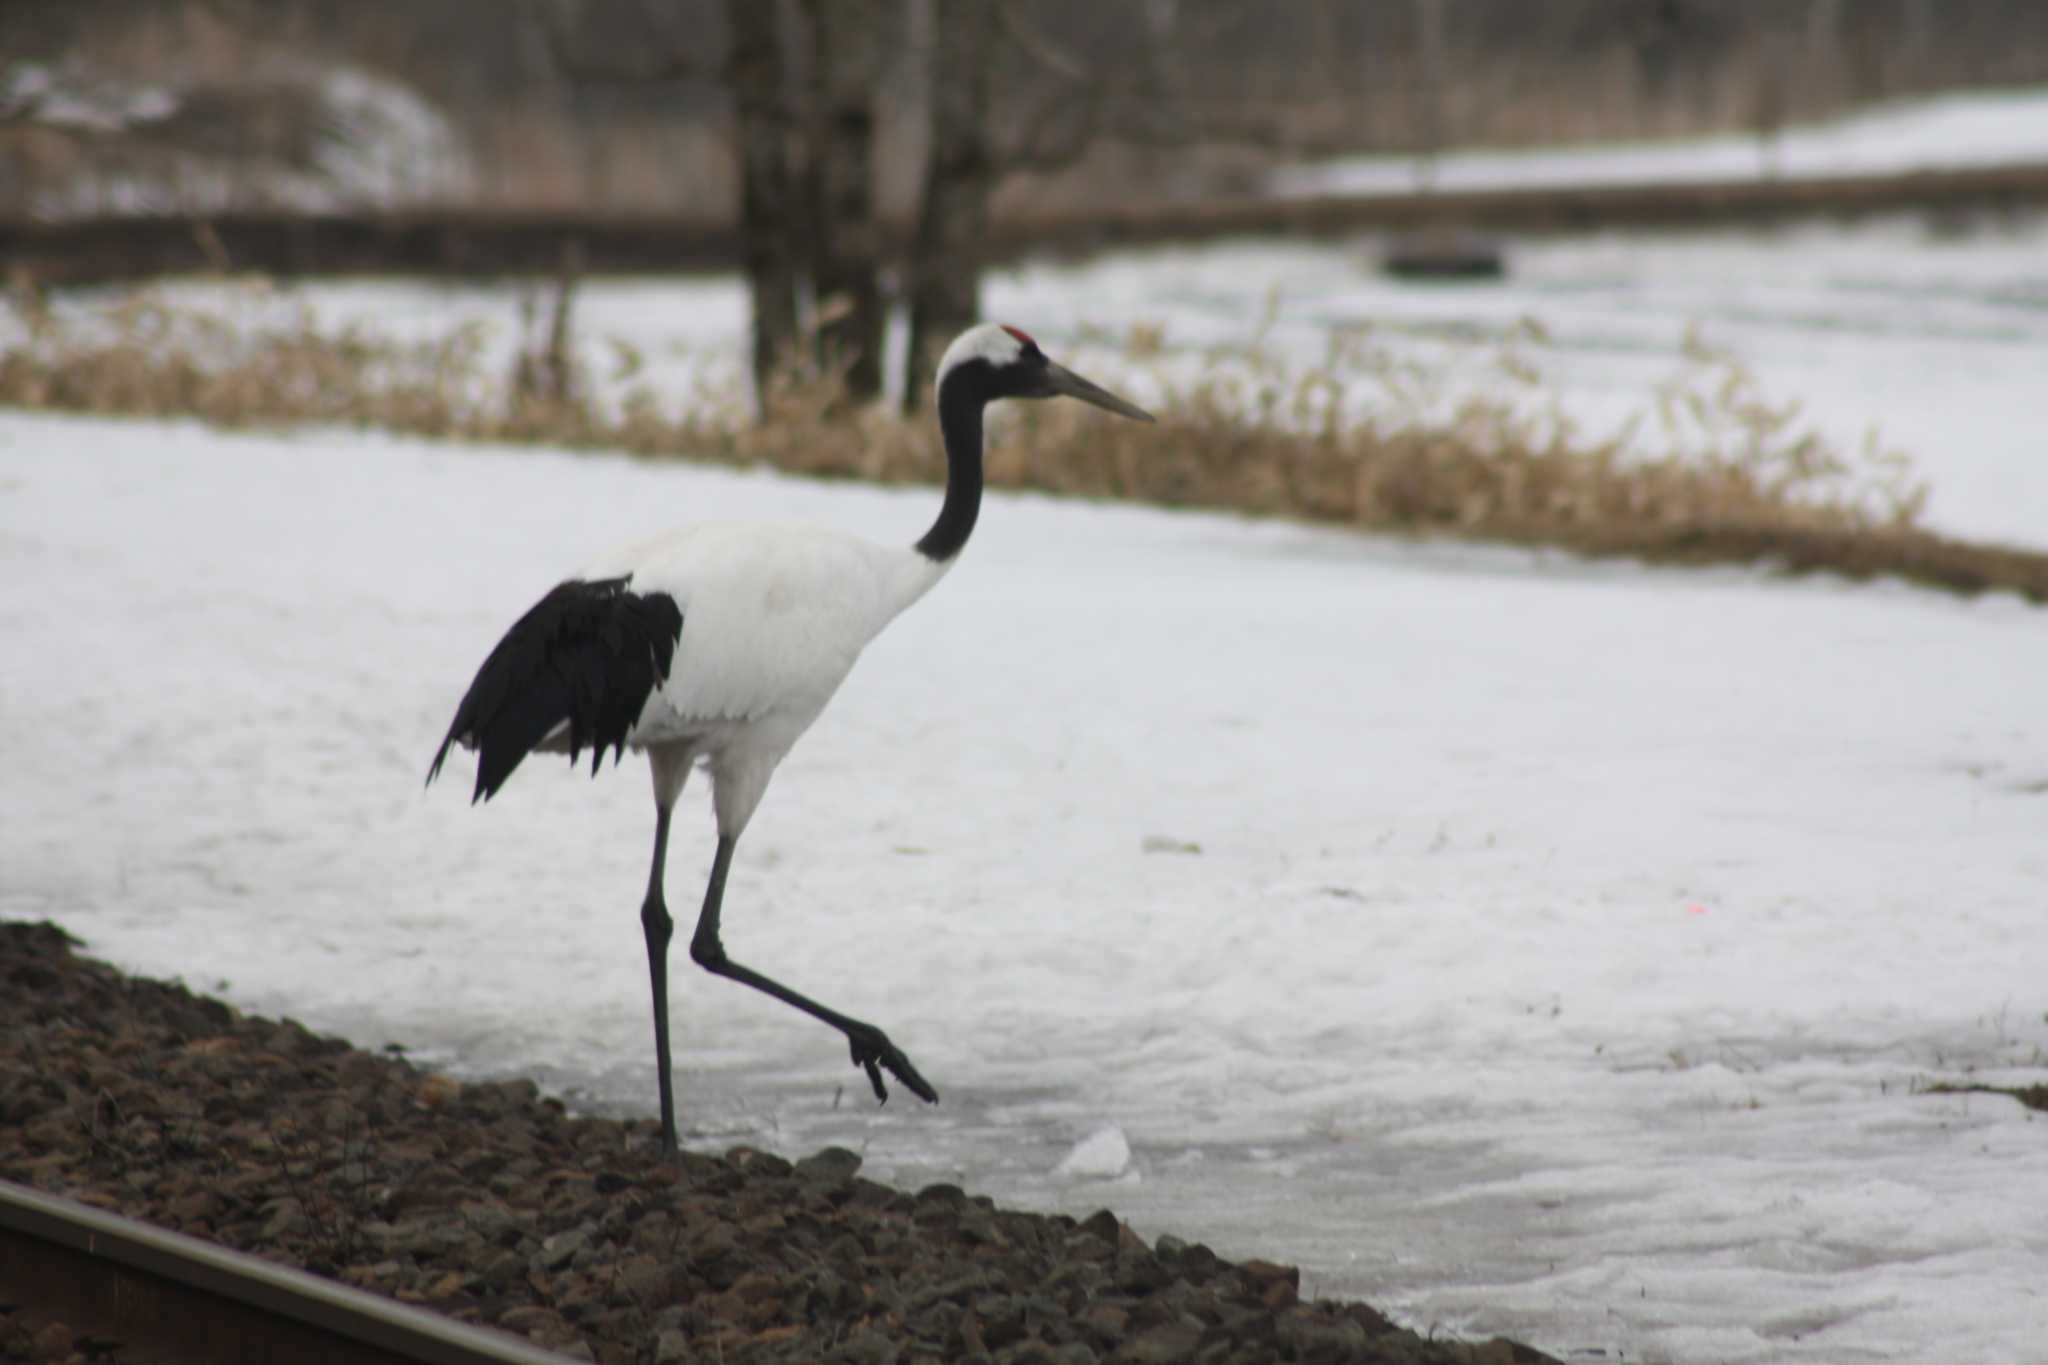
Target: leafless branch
[[665, 55], [1058, 134], [1028, 41], [1132, 105]]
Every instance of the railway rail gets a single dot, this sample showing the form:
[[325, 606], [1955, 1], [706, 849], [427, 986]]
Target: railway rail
[[170, 1299]]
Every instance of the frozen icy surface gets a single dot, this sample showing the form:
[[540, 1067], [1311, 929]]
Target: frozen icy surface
[[1527, 945], [1930, 338], [1945, 132]]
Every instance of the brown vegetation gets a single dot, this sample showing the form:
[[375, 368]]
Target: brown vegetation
[[1725, 476]]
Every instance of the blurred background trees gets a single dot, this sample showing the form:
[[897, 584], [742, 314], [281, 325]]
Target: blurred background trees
[[862, 148]]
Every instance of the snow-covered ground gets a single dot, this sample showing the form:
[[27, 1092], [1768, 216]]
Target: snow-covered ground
[[1528, 946], [1947, 132], [1525, 945], [335, 136]]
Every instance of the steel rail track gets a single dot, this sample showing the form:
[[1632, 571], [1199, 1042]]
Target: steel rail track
[[169, 1297]]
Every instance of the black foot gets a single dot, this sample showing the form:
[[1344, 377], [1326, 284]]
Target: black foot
[[873, 1052]]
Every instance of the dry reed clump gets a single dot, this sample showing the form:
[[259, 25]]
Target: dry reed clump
[[1367, 438]]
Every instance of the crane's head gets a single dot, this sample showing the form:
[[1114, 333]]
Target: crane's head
[[992, 361]]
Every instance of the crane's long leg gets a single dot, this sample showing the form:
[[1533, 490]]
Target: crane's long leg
[[655, 921], [872, 1049]]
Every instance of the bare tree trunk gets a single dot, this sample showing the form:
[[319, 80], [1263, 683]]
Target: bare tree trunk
[[1823, 70], [768, 220], [846, 64], [1429, 76], [1918, 44], [960, 173]]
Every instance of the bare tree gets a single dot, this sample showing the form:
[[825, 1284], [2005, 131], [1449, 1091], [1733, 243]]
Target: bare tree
[[1429, 89], [846, 40], [801, 77], [756, 75], [960, 174], [1057, 107]]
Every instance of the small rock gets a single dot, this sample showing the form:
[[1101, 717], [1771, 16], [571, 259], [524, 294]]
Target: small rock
[[756, 1162], [492, 1222], [499, 1272], [958, 1287], [646, 1280], [558, 1250], [1276, 1285], [1314, 1336], [53, 1342], [1027, 1353], [1103, 1226], [1196, 1261], [434, 1091], [533, 1320], [756, 1286], [1106, 1320], [1002, 1319], [1161, 1345], [833, 1164], [867, 1347], [1140, 1272], [192, 1206]]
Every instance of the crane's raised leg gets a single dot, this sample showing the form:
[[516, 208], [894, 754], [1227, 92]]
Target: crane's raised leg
[[872, 1050]]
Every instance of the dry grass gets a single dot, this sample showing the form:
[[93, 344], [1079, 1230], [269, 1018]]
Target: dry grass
[[1737, 479]]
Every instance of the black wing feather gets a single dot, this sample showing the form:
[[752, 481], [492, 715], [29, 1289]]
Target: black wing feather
[[588, 654]]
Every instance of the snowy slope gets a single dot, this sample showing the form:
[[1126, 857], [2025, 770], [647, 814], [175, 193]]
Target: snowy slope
[[1947, 132], [1529, 946]]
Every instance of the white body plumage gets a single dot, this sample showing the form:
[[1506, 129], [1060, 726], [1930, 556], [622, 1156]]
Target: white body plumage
[[774, 618]]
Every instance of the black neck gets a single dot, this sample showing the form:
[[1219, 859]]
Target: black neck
[[962, 396]]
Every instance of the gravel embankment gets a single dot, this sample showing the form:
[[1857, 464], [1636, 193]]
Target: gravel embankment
[[490, 1203]]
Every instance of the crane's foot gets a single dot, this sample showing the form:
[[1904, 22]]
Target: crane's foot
[[874, 1053]]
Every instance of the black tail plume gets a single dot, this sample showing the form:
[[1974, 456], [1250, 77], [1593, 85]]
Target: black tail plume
[[587, 655]]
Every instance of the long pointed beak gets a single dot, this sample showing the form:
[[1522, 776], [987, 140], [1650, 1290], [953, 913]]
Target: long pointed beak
[[1062, 380]]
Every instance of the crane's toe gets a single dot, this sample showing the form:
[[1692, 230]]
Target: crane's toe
[[874, 1053]]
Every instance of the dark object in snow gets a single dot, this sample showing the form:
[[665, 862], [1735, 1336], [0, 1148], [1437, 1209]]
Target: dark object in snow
[[1445, 255]]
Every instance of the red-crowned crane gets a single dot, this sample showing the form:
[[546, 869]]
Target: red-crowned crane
[[720, 644]]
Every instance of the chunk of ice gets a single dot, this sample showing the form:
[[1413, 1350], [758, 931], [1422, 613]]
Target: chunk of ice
[[1104, 1154]]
